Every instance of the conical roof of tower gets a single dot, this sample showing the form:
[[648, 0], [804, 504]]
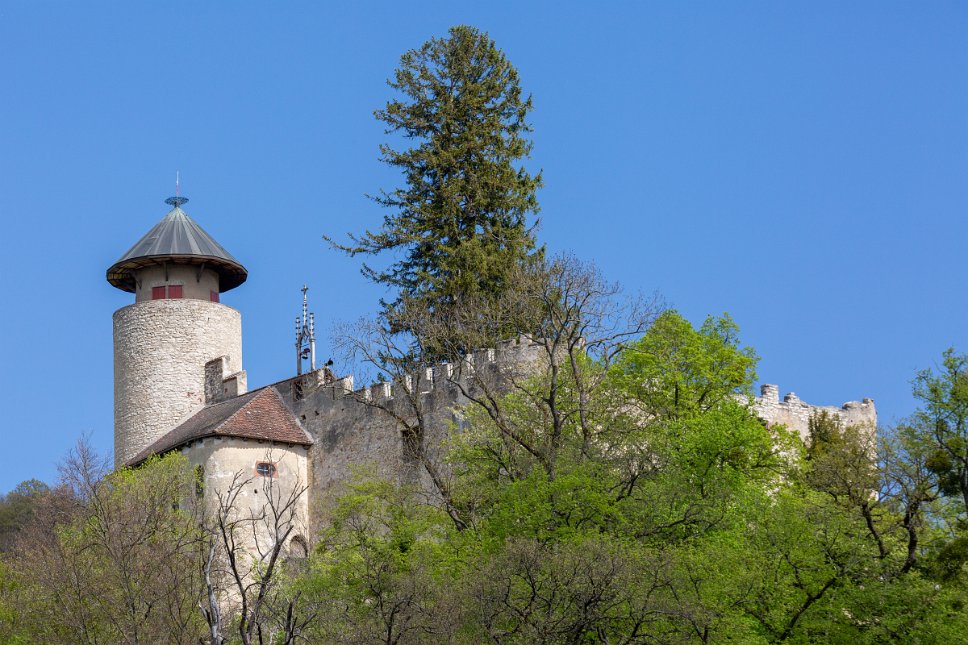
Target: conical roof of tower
[[177, 239]]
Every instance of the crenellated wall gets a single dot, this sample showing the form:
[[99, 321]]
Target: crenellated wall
[[795, 414], [356, 428]]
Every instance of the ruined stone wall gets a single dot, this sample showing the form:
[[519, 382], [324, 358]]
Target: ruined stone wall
[[795, 414], [160, 351], [221, 383]]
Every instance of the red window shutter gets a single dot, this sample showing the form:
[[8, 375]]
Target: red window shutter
[[213, 295], [174, 291], [157, 293]]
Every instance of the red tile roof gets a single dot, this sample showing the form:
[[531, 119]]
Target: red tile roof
[[259, 415]]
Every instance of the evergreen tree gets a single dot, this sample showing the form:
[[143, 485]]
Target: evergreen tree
[[459, 223]]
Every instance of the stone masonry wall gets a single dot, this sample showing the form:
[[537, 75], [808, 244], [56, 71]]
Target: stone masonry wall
[[160, 351], [795, 414], [350, 433], [221, 458]]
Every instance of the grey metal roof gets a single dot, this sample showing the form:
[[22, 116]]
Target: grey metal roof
[[177, 239]]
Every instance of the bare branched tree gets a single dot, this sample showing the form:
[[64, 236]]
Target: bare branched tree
[[113, 555], [571, 324], [581, 322], [248, 536]]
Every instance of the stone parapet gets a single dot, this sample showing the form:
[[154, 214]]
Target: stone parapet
[[795, 414], [219, 384]]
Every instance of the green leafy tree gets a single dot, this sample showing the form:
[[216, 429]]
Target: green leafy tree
[[380, 570], [624, 491], [109, 558], [459, 224], [16, 509], [581, 506], [676, 370], [943, 418]]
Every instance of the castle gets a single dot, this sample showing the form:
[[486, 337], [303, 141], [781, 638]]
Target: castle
[[179, 384]]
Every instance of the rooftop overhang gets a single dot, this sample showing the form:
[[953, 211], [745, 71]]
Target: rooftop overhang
[[230, 274]]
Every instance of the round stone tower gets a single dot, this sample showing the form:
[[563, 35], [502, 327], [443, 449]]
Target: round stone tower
[[175, 326]]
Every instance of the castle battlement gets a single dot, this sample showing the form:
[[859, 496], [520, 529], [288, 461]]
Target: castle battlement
[[795, 414], [321, 394], [368, 426], [324, 388]]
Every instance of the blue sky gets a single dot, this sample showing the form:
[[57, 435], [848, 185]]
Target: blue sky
[[801, 165]]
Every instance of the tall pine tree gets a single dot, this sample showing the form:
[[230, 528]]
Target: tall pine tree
[[459, 223]]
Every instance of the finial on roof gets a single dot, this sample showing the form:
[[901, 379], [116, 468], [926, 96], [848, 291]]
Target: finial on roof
[[305, 337], [176, 201]]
